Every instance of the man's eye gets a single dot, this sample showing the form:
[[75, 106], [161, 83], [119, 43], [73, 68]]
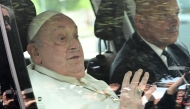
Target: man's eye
[[177, 13], [77, 36], [164, 15], [62, 38]]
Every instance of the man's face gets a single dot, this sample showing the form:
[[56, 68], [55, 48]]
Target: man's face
[[161, 24], [61, 50], [6, 17], [4, 96]]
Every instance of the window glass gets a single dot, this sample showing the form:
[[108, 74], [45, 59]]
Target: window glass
[[14, 79], [65, 64], [184, 36]]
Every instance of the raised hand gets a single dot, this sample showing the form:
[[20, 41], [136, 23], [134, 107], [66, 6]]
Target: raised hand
[[131, 93], [27, 101]]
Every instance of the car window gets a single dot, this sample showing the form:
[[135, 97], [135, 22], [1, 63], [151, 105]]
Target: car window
[[184, 22], [115, 37], [13, 77]]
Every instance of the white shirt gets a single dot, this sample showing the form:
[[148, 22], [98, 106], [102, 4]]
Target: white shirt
[[55, 91], [157, 50]]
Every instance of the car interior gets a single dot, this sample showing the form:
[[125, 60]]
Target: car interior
[[104, 26]]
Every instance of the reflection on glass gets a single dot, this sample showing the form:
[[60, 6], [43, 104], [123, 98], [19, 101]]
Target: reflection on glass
[[7, 16], [11, 97], [8, 92], [155, 48], [58, 78]]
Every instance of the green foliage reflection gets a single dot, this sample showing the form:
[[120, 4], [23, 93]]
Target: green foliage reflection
[[61, 5]]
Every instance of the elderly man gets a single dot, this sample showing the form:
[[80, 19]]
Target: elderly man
[[57, 74], [154, 46]]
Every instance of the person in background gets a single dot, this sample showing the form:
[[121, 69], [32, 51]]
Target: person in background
[[9, 100], [7, 16], [153, 46]]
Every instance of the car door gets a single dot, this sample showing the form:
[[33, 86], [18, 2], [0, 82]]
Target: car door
[[14, 77], [88, 15]]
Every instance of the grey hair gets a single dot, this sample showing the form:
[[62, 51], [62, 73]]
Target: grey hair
[[36, 39], [11, 14], [145, 5]]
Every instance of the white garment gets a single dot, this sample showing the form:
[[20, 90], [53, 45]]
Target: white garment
[[62, 92]]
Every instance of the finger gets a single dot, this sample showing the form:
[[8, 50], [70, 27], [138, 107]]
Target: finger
[[27, 104], [10, 100], [151, 90], [173, 88], [126, 79], [147, 85], [171, 83], [23, 95], [114, 84], [136, 78], [22, 92], [117, 84], [179, 82], [148, 93], [168, 84], [144, 80], [156, 101], [111, 85]]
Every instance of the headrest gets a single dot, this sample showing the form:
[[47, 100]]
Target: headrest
[[38, 21], [109, 21], [24, 12]]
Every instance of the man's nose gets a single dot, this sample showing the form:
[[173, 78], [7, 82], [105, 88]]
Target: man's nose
[[174, 20], [74, 44]]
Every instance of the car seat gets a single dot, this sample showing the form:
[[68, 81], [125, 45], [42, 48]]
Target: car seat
[[108, 27], [24, 11]]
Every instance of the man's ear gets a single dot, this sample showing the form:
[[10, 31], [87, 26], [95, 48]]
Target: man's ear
[[139, 21], [34, 53]]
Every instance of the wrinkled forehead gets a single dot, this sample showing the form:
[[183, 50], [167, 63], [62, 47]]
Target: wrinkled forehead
[[59, 19], [57, 24], [156, 6]]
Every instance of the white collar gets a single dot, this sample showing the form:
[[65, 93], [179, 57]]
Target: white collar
[[154, 47]]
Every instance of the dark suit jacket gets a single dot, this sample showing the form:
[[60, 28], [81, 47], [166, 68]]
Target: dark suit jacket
[[136, 54], [1, 105]]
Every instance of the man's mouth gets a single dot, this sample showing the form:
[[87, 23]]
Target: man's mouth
[[74, 57], [174, 32]]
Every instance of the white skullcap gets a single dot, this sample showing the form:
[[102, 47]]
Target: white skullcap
[[38, 21]]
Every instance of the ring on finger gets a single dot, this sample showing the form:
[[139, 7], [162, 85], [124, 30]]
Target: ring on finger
[[138, 91]]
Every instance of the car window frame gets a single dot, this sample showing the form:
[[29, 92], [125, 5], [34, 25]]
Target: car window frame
[[10, 59]]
